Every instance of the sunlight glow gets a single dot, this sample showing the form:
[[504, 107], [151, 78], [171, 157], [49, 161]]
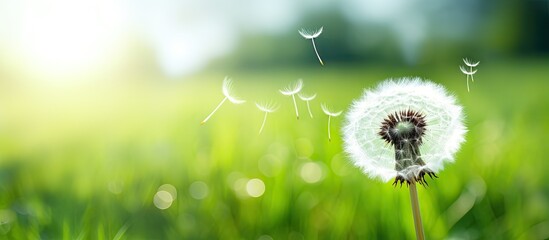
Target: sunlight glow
[[63, 37]]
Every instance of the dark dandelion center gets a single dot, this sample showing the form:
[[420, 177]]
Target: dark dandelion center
[[404, 130]]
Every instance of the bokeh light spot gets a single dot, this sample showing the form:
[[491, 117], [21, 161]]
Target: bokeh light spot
[[169, 188], [311, 172], [255, 187], [163, 200], [198, 190], [239, 187]]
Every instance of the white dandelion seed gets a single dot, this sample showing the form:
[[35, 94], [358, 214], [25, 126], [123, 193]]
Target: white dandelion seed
[[307, 98], [469, 72], [267, 108], [227, 88], [312, 35], [404, 129], [330, 114], [470, 63], [291, 91]]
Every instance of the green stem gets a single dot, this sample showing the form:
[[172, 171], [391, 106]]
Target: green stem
[[309, 108], [215, 110], [318, 56], [295, 106], [263, 124], [415, 210], [329, 136]]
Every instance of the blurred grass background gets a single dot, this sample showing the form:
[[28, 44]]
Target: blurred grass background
[[93, 173], [101, 104]]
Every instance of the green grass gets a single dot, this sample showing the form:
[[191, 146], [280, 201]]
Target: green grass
[[86, 163]]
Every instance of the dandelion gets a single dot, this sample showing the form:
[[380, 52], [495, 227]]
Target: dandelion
[[291, 91], [330, 114], [469, 72], [267, 108], [404, 129], [307, 98], [312, 35], [227, 88]]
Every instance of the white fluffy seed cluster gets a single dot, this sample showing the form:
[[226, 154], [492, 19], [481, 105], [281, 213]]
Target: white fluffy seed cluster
[[444, 131]]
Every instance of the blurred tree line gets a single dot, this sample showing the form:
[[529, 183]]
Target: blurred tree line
[[478, 29]]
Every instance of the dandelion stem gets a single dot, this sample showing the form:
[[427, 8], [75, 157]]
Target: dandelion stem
[[471, 69], [263, 124], [209, 116], [468, 83], [415, 210], [318, 56], [309, 108], [329, 136], [295, 106], [472, 78]]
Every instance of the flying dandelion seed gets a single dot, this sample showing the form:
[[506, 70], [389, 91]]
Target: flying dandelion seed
[[307, 99], [330, 114], [227, 88], [404, 129], [267, 108], [471, 65], [312, 35], [469, 72], [291, 91]]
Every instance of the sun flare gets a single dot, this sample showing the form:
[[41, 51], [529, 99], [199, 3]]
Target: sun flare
[[63, 37]]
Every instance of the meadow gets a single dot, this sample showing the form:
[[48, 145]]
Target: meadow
[[89, 162]]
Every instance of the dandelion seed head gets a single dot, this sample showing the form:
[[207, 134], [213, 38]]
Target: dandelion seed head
[[407, 126], [470, 63], [328, 111], [308, 34], [306, 97], [267, 106], [227, 91], [292, 88], [425, 101]]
